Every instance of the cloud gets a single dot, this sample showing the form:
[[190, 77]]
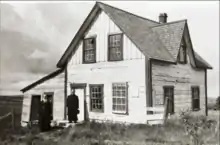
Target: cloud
[[34, 36]]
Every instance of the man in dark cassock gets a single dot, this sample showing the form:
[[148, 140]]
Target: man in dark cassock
[[45, 114], [73, 106]]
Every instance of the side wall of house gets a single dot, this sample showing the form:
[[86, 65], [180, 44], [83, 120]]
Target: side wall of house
[[55, 85], [130, 70], [182, 77]]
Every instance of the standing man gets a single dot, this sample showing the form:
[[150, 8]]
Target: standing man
[[73, 106]]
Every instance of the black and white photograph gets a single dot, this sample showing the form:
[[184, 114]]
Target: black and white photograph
[[109, 73]]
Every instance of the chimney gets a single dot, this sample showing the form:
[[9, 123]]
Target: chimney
[[163, 18]]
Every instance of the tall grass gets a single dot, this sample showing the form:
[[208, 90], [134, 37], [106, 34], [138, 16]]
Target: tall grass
[[180, 131]]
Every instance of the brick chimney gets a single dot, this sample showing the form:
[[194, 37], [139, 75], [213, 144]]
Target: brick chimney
[[163, 18]]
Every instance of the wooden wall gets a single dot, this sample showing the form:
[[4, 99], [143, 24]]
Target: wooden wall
[[131, 70], [101, 29], [182, 77], [7, 103], [55, 85]]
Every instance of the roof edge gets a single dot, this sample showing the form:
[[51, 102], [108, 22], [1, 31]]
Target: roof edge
[[43, 79], [101, 3], [60, 64]]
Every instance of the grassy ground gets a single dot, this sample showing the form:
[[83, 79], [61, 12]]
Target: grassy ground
[[92, 133]]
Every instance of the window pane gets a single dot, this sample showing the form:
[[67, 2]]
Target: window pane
[[119, 97], [89, 50], [115, 47], [96, 97]]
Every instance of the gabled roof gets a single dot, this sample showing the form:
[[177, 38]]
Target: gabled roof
[[146, 34], [45, 78], [171, 35]]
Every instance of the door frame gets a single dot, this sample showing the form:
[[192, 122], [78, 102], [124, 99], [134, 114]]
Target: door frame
[[81, 86]]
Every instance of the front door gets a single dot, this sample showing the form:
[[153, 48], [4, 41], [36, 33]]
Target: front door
[[35, 104], [80, 93]]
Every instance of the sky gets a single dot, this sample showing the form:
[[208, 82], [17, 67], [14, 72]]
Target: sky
[[34, 35]]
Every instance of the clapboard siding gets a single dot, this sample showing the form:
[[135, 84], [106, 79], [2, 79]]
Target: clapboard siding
[[55, 85], [182, 77], [101, 29], [130, 70]]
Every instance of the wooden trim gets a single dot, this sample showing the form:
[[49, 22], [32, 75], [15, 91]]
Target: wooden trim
[[150, 86], [121, 46], [78, 85], [102, 88], [148, 83], [65, 92], [83, 51], [206, 94], [43, 79]]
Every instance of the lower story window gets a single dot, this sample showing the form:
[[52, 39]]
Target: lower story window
[[169, 93], [120, 97], [96, 98], [195, 98]]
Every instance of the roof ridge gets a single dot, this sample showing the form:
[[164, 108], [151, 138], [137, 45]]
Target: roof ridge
[[177, 21], [128, 12]]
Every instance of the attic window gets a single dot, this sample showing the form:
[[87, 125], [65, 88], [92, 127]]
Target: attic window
[[182, 54], [89, 50], [115, 49]]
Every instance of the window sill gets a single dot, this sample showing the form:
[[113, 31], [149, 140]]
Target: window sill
[[120, 113], [89, 62], [97, 111], [115, 60], [195, 110]]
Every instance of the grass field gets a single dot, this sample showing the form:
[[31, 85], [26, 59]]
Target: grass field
[[92, 133]]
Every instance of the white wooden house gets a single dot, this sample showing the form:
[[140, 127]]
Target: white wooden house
[[121, 64]]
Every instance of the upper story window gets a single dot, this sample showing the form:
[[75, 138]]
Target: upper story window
[[89, 50], [115, 47], [183, 53]]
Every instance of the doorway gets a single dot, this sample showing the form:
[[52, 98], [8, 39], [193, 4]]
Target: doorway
[[35, 104], [80, 91]]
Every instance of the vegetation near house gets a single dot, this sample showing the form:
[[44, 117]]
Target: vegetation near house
[[187, 130]]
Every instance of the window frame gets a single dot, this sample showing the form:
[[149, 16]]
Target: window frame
[[121, 47], [126, 101], [181, 50], [173, 96], [192, 96], [90, 97], [83, 51]]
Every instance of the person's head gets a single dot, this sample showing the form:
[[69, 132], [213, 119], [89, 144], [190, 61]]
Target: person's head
[[72, 91], [44, 98]]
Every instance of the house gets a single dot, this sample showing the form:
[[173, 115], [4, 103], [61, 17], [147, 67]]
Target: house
[[121, 64]]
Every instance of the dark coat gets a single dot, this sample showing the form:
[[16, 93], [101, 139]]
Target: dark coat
[[45, 115], [73, 106]]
